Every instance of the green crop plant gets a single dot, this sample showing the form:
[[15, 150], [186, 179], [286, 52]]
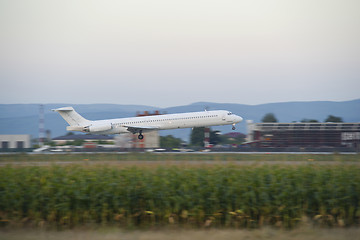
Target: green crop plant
[[220, 196]]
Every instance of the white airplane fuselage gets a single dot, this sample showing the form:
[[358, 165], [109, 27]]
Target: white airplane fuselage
[[147, 123]]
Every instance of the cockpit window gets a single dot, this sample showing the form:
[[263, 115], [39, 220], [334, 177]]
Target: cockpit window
[[229, 113]]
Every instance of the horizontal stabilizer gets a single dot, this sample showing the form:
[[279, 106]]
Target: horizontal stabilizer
[[63, 109]]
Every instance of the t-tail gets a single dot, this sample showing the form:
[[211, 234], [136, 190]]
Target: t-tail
[[74, 119]]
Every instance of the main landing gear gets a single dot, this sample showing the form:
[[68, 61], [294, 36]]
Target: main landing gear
[[140, 137], [233, 127]]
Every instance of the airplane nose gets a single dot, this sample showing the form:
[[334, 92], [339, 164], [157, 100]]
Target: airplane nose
[[238, 119]]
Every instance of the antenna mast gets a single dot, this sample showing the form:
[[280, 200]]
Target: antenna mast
[[41, 125]]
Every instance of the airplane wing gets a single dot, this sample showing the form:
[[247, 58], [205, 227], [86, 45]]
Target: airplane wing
[[136, 129]]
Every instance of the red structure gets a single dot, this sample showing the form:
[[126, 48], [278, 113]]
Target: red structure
[[206, 137]]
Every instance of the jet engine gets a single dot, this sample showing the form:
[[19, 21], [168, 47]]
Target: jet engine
[[98, 127]]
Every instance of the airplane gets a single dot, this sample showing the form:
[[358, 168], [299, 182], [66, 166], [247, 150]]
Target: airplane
[[147, 123]]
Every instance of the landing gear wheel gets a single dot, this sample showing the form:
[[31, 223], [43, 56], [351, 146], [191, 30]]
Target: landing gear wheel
[[140, 135], [233, 127]]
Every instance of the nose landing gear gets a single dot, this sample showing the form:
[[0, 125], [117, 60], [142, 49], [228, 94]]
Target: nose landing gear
[[233, 127]]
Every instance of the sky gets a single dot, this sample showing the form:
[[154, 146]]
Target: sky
[[168, 53]]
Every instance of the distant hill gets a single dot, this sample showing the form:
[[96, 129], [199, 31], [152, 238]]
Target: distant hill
[[23, 118]]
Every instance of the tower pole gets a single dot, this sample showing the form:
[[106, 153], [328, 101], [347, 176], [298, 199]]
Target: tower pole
[[41, 125]]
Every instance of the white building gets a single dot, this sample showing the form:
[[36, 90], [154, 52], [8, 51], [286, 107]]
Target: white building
[[15, 141]]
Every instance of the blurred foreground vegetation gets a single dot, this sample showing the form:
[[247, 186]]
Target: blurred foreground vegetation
[[103, 157], [216, 196]]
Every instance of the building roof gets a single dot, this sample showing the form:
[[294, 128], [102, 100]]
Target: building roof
[[306, 126], [234, 134], [84, 137]]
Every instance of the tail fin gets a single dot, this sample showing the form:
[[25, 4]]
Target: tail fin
[[71, 116]]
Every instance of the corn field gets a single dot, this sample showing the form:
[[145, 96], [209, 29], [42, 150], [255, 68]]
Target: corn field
[[221, 196], [16, 158]]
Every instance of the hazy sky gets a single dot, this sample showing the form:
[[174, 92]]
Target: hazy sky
[[174, 52]]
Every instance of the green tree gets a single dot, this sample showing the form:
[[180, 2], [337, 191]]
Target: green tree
[[170, 142], [334, 119], [305, 120], [197, 136], [214, 137], [269, 118]]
